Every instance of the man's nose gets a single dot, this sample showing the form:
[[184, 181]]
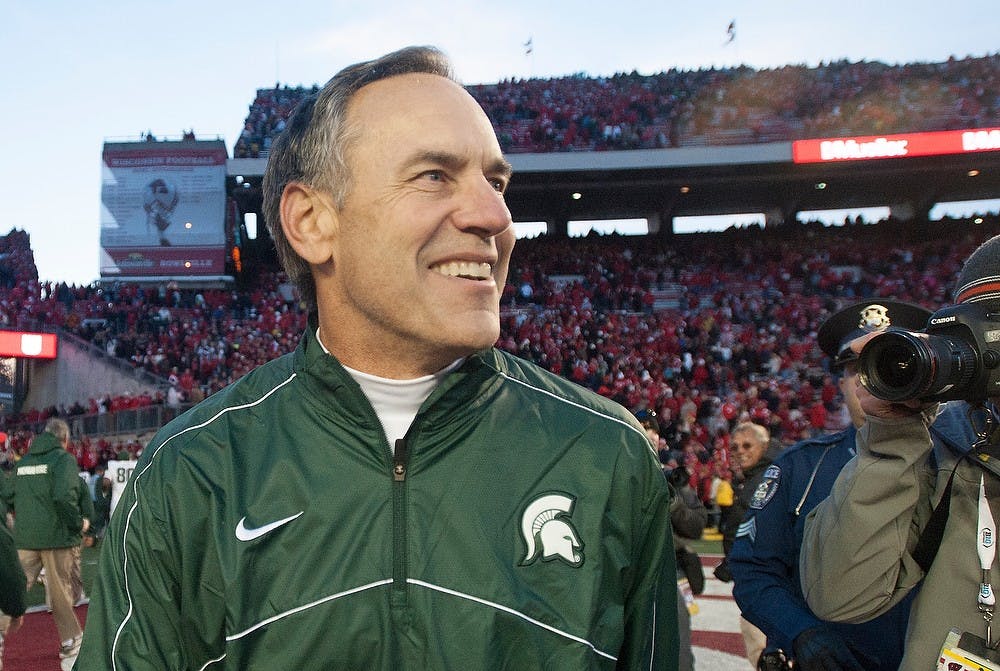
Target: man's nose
[[483, 209]]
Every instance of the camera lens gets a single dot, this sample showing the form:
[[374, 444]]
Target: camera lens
[[895, 366], [898, 366]]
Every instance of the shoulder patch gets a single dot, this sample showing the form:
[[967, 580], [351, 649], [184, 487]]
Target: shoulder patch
[[767, 488], [748, 529]]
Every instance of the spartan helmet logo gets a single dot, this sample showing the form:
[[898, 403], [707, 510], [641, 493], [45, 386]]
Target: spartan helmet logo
[[874, 318], [548, 532]]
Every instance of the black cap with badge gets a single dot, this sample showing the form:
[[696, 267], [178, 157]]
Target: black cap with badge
[[837, 332], [647, 418]]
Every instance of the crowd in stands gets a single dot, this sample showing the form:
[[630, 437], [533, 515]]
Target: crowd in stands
[[736, 105], [703, 329]]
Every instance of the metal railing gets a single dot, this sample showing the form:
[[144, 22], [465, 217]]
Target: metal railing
[[135, 421]]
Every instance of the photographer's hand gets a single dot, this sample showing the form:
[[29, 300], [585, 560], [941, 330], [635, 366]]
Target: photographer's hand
[[881, 408], [821, 649]]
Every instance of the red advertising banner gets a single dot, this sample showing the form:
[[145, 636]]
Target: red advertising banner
[[904, 145], [28, 345], [167, 261]]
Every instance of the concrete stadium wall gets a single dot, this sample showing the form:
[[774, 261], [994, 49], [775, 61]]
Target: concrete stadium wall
[[78, 373]]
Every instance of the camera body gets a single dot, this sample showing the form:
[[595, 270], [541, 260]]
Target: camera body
[[956, 357]]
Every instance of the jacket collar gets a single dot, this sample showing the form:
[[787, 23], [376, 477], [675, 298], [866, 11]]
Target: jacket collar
[[44, 443], [468, 386], [957, 423]]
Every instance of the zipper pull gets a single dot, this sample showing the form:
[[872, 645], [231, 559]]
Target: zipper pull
[[399, 461]]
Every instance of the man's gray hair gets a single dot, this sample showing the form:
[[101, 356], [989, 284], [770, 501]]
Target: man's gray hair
[[760, 433], [312, 150], [58, 428]]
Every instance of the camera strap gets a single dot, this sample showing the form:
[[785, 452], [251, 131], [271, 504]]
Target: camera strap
[[986, 436], [930, 538], [986, 548]]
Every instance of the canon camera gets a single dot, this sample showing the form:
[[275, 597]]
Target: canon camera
[[956, 357]]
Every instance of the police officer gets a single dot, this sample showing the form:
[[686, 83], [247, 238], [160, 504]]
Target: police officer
[[764, 560]]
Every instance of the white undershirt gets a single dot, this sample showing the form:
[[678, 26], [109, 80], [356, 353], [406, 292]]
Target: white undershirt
[[396, 402]]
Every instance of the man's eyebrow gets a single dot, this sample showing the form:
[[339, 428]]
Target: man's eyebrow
[[501, 167], [452, 161]]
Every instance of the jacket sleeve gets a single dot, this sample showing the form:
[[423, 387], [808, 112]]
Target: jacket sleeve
[[651, 638], [764, 564], [156, 606], [84, 501], [65, 487], [13, 584], [874, 515], [6, 496]]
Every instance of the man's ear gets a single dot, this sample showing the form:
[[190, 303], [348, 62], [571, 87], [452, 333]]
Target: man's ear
[[309, 221]]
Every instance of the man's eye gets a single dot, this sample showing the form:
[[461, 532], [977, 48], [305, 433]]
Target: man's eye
[[434, 175], [499, 184]]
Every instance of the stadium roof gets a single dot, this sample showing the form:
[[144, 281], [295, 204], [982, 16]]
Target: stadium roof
[[665, 183]]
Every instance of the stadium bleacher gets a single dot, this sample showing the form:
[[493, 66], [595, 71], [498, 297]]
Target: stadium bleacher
[[706, 107]]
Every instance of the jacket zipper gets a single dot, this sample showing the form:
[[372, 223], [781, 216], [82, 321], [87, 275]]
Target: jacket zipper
[[399, 524], [399, 461]]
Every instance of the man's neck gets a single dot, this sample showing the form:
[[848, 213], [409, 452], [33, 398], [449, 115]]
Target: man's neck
[[396, 402], [398, 366]]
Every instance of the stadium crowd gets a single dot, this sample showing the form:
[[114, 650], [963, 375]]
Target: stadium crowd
[[706, 106], [705, 330]]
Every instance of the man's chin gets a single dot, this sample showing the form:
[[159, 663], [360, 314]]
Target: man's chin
[[482, 342], [479, 333]]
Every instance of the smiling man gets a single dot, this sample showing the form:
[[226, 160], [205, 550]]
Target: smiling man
[[397, 493]]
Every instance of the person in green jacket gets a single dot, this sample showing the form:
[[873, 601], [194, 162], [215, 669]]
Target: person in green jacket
[[397, 494], [44, 495], [13, 588]]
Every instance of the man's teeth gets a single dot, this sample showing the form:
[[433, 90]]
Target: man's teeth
[[466, 269]]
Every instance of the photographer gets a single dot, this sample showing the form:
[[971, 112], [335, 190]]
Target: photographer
[[882, 531], [765, 556]]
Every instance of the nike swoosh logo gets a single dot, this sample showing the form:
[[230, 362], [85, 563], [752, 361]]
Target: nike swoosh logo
[[244, 534]]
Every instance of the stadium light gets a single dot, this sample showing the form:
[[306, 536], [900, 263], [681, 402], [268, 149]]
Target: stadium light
[[576, 195], [250, 222]]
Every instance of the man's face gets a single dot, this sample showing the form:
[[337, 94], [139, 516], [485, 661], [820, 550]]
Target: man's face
[[747, 449], [424, 238]]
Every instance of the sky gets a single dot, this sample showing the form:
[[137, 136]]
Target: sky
[[74, 74]]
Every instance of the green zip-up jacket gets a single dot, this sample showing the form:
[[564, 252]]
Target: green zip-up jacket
[[523, 523], [43, 492], [13, 582]]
